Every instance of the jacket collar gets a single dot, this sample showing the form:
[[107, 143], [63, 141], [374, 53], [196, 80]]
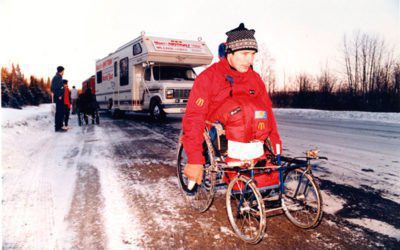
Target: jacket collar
[[231, 71]]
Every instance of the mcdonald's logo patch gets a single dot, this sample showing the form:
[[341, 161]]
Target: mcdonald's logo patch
[[200, 102], [261, 126]]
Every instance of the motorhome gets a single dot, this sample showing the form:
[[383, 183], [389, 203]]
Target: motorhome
[[150, 74], [89, 83]]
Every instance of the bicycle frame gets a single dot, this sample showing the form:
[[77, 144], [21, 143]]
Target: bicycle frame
[[285, 164]]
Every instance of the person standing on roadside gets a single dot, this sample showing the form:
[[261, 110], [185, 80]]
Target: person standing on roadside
[[58, 92], [74, 97], [67, 103]]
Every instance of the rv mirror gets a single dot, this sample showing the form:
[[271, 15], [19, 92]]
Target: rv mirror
[[144, 65]]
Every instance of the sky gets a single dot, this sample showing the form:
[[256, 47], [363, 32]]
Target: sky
[[301, 36]]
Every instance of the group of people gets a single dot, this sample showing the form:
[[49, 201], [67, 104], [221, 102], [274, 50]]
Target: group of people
[[63, 98]]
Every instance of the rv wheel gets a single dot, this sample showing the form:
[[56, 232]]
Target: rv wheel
[[117, 113], [156, 111]]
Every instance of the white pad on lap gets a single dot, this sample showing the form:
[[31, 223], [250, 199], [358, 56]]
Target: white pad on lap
[[245, 151]]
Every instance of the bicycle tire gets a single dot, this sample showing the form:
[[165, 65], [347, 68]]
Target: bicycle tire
[[304, 207], [245, 208]]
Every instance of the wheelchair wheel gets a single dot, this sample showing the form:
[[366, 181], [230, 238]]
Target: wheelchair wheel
[[301, 200], [79, 119], [86, 118], [97, 118], [246, 210], [201, 196]]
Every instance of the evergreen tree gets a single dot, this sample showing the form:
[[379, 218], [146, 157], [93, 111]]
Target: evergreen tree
[[5, 95], [16, 92]]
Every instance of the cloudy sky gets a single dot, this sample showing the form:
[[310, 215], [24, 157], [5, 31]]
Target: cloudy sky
[[302, 36]]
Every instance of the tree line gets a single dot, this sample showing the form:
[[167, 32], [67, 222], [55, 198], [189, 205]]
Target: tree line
[[17, 91], [369, 80]]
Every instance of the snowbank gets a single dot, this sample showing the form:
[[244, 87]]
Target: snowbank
[[10, 116], [344, 115]]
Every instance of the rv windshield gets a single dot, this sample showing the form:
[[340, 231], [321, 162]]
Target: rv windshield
[[173, 73]]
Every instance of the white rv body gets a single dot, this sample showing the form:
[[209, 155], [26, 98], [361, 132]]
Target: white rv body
[[150, 74]]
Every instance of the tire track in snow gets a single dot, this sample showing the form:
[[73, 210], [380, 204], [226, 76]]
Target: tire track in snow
[[85, 216], [119, 225]]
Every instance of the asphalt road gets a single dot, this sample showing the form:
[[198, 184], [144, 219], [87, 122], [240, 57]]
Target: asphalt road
[[151, 190]]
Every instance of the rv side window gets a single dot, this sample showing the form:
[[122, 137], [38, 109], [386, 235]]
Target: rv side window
[[115, 69], [147, 74], [137, 49], [124, 71], [99, 76]]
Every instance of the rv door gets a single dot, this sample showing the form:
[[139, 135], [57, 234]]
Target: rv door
[[147, 78], [115, 84]]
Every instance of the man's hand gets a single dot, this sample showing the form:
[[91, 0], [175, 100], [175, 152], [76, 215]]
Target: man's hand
[[194, 172], [59, 98]]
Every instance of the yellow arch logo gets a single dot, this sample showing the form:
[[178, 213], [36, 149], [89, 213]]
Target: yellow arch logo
[[261, 126], [200, 102]]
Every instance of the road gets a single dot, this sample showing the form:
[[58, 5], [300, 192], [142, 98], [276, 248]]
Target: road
[[116, 187]]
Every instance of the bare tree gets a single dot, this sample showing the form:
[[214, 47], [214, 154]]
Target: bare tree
[[266, 63], [326, 82], [369, 69]]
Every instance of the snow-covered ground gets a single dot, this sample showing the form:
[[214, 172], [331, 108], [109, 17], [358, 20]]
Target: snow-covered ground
[[47, 185], [42, 210]]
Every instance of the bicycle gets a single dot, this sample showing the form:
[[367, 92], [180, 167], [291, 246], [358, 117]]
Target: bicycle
[[293, 186]]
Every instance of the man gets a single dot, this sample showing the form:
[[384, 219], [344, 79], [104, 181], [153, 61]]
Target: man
[[58, 93], [230, 92], [74, 97], [67, 103]]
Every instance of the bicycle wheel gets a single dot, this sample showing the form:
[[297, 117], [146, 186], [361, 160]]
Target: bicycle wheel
[[301, 200], [201, 196], [246, 210]]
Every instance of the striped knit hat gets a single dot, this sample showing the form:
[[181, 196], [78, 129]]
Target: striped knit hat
[[241, 39]]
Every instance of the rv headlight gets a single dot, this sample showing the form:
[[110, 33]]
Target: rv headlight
[[169, 93]]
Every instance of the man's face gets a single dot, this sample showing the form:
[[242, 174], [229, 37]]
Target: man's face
[[62, 73], [241, 60]]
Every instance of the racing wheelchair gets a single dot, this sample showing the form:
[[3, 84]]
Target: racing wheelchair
[[252, 185], [87, 106]]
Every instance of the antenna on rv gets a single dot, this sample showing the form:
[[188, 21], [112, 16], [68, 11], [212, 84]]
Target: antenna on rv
[[199, 38], [142, 33]]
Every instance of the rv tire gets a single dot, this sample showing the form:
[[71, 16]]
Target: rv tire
[[117, 113], [156, 111]]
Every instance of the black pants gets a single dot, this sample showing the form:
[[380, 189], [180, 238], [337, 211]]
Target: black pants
[[59, 114], [66, 114]]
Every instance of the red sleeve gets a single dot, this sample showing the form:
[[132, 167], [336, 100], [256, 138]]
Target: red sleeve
[[274, 133], [193, 122]]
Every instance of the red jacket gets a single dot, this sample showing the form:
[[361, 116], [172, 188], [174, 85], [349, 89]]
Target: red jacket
[[218, 91], [66, 97]]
